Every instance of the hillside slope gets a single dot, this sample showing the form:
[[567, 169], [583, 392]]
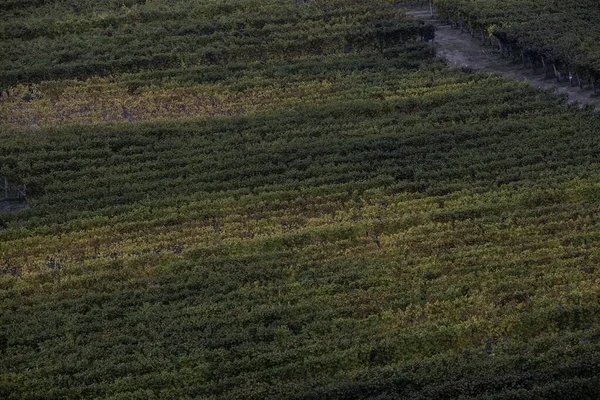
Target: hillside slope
[[353, 220]]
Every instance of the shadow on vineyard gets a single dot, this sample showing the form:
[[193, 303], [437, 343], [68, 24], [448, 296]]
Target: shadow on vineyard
[[12, 197], [7, 206]]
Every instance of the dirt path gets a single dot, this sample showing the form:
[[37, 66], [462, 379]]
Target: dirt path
[[461, 50]]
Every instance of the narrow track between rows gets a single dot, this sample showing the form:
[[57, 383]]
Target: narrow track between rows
[[461, 50]]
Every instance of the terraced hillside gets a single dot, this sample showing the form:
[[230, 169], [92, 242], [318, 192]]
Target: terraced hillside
[[322, 210]]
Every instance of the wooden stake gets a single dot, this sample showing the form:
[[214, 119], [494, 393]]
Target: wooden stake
[[570, 78], [545, 67]]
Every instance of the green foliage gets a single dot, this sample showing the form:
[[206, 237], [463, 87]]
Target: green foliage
[[159, 36], [381, 227]]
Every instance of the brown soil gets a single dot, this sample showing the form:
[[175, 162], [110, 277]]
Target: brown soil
[[464, 51]]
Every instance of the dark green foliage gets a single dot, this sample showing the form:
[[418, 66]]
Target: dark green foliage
[[410, 232]]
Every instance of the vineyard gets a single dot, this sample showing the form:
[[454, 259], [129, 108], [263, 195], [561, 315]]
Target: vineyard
[[556, 36], [243, 199]]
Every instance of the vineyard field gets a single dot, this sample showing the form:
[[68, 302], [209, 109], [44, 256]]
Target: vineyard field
[[558, 37], [287, 200]]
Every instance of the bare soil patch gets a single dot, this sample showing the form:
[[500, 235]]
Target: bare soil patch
[[461, 50]]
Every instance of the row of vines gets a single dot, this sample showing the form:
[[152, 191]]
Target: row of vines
[[158, 37]]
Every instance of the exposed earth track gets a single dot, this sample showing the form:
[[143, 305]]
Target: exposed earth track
[[461, 50]]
